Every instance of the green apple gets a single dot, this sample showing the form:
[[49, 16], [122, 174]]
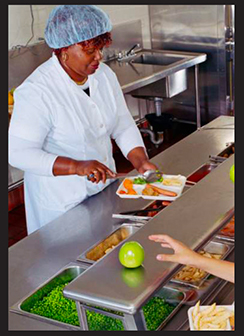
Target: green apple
[[131, 254], [133, 277], [232, 173]]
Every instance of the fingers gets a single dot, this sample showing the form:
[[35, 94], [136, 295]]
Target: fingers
[[161, 238], [167, 245], [110, 172], [102, 175], [98, 175], [98, 172], [167, 257]]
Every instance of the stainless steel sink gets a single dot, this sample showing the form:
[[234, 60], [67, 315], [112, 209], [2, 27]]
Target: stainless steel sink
[[158, 73], [157, 59], [171, 85]]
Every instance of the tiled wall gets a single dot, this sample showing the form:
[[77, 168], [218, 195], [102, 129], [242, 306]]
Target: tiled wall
[[20, 20]]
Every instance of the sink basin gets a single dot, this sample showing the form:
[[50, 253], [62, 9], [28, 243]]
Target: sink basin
[[167, 87], [156, 59]]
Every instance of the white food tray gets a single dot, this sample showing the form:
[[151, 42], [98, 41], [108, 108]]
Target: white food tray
[[139, 187], [201, 308]]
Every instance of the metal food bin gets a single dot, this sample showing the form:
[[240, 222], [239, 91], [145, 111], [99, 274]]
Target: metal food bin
[[213, 247], [103, 247], [24, 306], [171, 296], [91, 317], [226, 237]]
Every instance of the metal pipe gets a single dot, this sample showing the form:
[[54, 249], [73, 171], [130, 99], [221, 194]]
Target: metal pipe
[[158, 105], [152, 136], [197, 98]]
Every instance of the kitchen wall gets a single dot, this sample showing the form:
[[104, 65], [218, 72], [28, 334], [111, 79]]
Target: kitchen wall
[[20, 30], [20, 20]]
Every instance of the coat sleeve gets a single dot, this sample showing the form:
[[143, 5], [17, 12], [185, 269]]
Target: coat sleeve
[[29, 126], [125, 132], [29, 157]]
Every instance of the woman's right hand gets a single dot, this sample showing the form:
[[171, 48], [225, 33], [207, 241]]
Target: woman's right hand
[[95, 168], [182, 254]]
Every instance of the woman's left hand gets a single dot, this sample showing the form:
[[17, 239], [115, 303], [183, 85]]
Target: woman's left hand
[[147, 165]]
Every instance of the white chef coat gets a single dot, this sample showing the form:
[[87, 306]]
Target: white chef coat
[[54, 117]]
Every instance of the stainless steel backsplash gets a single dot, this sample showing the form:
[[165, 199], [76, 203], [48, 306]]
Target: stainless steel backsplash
[[196, 28]]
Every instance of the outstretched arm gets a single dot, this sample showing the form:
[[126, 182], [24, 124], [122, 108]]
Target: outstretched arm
[[184, 255]]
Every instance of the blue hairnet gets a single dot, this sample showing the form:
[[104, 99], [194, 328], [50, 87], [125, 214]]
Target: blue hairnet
[[70, 24]]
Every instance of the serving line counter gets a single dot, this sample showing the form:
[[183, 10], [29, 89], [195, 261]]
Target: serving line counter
[[15, 177], [194, 218]]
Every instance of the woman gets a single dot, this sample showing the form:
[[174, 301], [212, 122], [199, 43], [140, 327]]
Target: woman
[[66, 113], [184, 255]]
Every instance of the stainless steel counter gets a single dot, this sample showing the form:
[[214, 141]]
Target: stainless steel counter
[[42, 254], [15, 177], [191, 219]]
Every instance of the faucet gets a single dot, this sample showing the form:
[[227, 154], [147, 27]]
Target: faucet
[[131, 51], [126, 55]]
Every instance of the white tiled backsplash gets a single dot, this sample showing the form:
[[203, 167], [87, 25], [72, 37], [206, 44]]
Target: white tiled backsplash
[[20, 21]]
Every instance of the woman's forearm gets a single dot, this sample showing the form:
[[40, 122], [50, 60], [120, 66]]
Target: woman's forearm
[[137, 156], [67, 166], [220, 268], [64, 166]]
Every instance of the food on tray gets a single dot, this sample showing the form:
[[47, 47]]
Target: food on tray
[[232, 322], [194, 274], [163, 191], [139, 180], [131, 192], [131, 254], [210, 318], [113, 240], [122, 192], [128, 184], [229, 229], [174, 181], [166, 188], [149, 191]]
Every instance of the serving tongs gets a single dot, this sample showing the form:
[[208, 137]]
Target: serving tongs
[[149, 176], [216, 158], [132, 212]]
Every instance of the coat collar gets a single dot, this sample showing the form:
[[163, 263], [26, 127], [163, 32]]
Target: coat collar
[[93, 82]]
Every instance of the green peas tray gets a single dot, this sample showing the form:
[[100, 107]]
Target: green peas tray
[[48, 304]]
